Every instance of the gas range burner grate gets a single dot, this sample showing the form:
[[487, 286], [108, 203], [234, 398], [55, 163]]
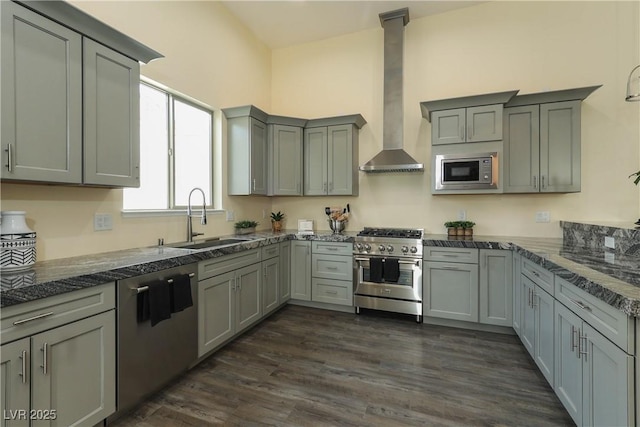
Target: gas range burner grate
[[400, 233]]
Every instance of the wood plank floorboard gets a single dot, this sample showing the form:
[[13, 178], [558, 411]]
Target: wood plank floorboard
[[311, 367]]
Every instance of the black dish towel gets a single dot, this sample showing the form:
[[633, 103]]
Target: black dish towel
[[375, 270], [181, 293], [391, 270], [159, 301]]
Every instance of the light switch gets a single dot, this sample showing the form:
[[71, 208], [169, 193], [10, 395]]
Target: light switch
[[543, 216], [231, 216], [102, 222]]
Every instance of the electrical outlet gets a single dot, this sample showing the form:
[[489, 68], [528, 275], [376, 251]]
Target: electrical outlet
[[543, 216], [102, 222], [462, 215], [609, 242], [264, 213], [231, 216]]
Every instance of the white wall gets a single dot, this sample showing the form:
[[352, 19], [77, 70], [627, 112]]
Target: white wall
[[490, 47], [210, 56]]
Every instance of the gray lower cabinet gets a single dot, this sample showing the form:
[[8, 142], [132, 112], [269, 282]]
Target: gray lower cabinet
[[284, 293], [471, 124], [496, 287], [517, 290], [285, 160], [593, 376], [301, 270], [450, 290], [111, 117], [70, 106], [69, 371], [227, 304], [270, 280], [41, 124]]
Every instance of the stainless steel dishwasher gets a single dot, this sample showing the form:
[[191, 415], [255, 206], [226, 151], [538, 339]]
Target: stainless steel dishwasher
[[151, 356]]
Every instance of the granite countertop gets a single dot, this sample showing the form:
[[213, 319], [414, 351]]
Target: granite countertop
[[615, 281]]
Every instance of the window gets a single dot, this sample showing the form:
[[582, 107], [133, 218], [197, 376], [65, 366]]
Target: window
[[176, 145]]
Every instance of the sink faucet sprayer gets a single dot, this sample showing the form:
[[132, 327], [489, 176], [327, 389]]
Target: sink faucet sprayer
[[203, 218]]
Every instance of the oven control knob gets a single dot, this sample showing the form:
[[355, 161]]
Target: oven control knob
[[367, 247], [414, 249], [389, 248], [405, 249], [381, 248], [359, 246]]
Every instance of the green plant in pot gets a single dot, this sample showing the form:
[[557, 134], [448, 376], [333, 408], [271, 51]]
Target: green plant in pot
[[452, 227], [276, 221], [245, 226], [467, 228]]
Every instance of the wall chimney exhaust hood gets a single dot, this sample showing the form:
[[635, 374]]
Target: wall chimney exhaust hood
[[393, 158]]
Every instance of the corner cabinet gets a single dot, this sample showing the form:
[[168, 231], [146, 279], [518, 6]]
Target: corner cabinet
[[331, 156], [542, 142], [53, 88], [284, 164], [246, 151]]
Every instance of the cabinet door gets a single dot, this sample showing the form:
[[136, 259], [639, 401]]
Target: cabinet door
[[301, 270], [284, 291], [567, 363], [527, 322], [517, 291], [496, 287], [484, 123], [216, 311], [286, 165], [521, 157], [111, 117], [248, 296], [543, 346], [15, 383], [74, 371], [448, 126], [607, 396], [270, 282], [41, 124], [560, 147], [258, 147], [315, 161], [340, 165], [451, 291]]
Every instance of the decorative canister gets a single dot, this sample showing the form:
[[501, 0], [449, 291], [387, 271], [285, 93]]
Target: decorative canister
[[17, 242]]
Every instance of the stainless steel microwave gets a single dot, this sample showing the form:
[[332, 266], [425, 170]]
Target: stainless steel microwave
[[477, 171]]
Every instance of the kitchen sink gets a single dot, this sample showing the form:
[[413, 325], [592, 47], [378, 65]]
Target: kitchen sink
[[210, 243]]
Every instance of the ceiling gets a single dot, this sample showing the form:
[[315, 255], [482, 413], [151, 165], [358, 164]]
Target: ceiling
[[285, 23]]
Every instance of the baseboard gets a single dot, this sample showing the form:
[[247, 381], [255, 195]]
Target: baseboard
[[468, 325], [323, 305]]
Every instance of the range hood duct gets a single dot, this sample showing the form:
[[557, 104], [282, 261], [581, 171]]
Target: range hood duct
[[393, 158]]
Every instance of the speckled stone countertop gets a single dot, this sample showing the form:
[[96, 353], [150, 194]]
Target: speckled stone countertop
[[615, 281], [54, 277]]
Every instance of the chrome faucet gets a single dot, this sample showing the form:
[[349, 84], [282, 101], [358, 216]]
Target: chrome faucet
[[203, 218]]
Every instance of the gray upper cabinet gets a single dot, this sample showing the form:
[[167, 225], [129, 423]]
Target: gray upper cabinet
[[285, 157], [53, 88], [331, 156], [41, 124], [246, 151], [111, 117], [542, 142], [475, 118]]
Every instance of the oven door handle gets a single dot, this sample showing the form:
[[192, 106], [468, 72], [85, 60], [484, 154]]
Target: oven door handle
[[400, 261]]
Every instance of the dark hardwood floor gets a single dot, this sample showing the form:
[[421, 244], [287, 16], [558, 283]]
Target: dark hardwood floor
[[310, 367]]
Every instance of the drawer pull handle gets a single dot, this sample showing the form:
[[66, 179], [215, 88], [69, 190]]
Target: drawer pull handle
[[535, 273], [450, 268], [39, 316], [142, 289], [332, 249], [332, 292], [580, 304], [44, 351], [9, 151], [574, 344], [332, 268], [23, 374], [583, 352]]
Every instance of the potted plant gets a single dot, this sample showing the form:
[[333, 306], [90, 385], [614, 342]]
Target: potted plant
[[467, 227], [245, 226], [451, 227], [276, 221]]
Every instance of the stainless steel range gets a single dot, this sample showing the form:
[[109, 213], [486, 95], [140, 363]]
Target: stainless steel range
[[387, 270]]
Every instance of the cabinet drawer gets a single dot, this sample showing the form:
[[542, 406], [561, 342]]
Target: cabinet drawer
[[37, 316], [539, 275], [215, 266], [332, 248], [612, 323], [332, 267], [436, 253], [270, 251], [332, 291]]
